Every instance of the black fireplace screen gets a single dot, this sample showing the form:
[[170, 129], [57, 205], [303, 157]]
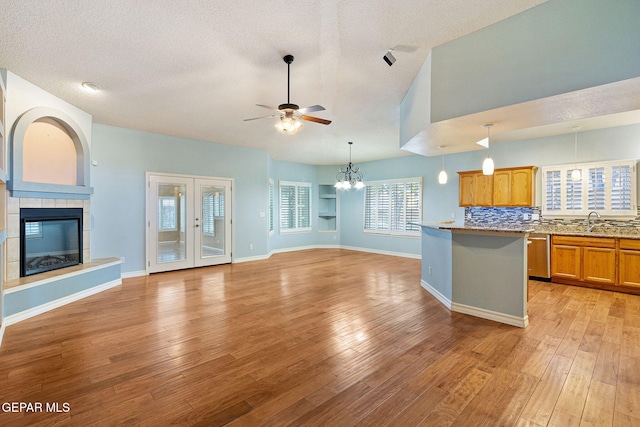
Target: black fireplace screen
[[50, 239]]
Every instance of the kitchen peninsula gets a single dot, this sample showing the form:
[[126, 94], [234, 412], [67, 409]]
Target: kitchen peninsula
[[477, 271]]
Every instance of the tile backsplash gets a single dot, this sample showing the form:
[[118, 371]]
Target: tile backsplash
[[523, 216]]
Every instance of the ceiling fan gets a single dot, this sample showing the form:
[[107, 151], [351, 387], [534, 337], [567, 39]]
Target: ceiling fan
[[290, 114]]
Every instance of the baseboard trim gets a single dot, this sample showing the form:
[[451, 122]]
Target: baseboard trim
[[23, 315], [521, 322], [382, 252], [132, 274], [304, 248], [2, 331], [436, 294]]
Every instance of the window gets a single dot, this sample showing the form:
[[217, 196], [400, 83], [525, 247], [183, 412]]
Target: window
[[606, 187], [295, 207], [389, 207], [271, 205], [167, 216]]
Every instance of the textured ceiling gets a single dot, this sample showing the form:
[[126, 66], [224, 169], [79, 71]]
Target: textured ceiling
[[196, 68]]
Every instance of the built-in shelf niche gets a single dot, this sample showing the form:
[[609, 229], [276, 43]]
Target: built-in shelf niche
[[50, 156], [327, 208]]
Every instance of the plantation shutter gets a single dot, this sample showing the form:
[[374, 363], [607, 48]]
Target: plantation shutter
[[573, 194], [295, 207], [621, 188], [596, 192], [208, 225], [390, 205], [553, 188]]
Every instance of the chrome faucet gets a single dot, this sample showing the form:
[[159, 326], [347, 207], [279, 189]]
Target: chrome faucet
[[590, 224]]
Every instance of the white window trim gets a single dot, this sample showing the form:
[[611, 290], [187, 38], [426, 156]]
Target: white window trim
[[396, 233], [584, 169], [296, 185]]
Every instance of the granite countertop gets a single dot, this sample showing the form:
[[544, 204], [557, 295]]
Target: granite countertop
[[446, 225], [581, 230], [563, 230]]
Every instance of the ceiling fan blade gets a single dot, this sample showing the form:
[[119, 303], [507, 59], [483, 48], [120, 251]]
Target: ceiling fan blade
[[261, 117], [267, 106], [311, 109], [316, 120]]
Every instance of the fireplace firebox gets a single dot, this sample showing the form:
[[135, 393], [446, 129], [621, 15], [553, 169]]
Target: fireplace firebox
[[50, 238]]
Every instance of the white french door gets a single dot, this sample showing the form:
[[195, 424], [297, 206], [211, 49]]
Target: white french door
[[188, 222]]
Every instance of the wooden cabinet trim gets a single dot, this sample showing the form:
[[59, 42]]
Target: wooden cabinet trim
[[596, 242], [633, 244]]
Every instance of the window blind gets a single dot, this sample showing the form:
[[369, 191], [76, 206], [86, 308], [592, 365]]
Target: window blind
[[295, 207], [390, 206], [271, 205], [606, 187]]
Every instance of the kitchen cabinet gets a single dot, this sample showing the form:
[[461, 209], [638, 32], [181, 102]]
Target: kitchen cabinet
[[565, 260], [599, 264], [629, 263], [506, 187], [583, 260], [476, 189], [467, 188]]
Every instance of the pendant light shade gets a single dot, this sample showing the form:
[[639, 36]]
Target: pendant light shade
[[488, 165], [442, 176]]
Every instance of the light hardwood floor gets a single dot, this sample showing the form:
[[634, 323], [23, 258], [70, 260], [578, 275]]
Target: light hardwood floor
[[322, 337]]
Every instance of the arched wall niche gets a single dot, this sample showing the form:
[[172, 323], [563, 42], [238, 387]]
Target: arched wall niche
[[50, 156]]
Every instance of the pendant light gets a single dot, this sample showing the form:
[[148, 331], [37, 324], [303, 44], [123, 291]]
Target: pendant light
[[576, 174], [349, 175], [442, 176], [488, 165]]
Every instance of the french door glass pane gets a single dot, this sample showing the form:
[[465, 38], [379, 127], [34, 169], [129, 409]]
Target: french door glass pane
[[171, 222], [212, 236]]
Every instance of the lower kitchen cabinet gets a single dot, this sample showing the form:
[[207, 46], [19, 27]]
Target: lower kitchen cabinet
[[583, 260], [629, 268], [599, 265], [566, 260]]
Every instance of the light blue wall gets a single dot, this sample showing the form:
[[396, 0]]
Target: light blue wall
[[118, 204], [557, 47], [437, 264]]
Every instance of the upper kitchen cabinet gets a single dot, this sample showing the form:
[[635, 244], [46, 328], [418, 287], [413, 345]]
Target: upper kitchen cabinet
[[476, 189], [514, 186], [506, 187]]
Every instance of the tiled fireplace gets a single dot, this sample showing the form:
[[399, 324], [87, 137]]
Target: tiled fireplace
[[13, 250]]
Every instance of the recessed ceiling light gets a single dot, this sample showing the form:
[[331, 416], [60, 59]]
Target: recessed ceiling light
[[90, 86]]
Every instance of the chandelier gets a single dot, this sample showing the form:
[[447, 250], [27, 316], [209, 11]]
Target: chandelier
[[349, 175]]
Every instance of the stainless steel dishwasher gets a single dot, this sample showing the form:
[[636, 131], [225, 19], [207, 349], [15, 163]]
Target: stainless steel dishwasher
[[539, 257]]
